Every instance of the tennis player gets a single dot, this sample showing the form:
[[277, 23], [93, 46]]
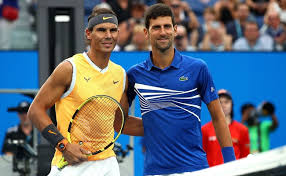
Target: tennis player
[[170, 87], [72, 82]]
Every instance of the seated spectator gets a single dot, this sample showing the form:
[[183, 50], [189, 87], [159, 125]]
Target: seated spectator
[[236, 27], [275, 29], [139, 42], [225, 10], [252, 40], [184, 16], [181, 40], [209, 17], [199, 6], [126, 28], [216, 38], [258, 9]]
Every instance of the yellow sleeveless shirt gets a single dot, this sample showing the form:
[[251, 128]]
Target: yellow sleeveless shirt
[[88, 80]]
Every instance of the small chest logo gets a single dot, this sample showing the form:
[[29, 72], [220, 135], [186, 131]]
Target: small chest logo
[[115, 82], [86, 79], [183, 78]]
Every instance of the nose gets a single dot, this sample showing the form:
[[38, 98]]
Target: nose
[[162, 31], [108, 34]]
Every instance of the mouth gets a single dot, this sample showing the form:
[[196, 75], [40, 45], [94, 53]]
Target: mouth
[[163, 39], [107, 44]]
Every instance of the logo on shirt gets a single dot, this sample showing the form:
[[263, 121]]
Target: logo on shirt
[[115, 82], [50, 131], [183, 78], [212, 89], [86, 79], [106, 18], [212, 138]]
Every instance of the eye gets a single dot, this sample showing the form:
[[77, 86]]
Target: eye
[[113, 30], [156, 27], [167, 26], [101, 29]]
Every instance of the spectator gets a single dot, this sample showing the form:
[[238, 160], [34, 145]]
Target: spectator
[[139, 42], [21, 133], [216, 38], [9, 11], [275, 29], [258, 9], [252, 40], [186, 17], [136, 10], [122, 9], [199, 6], [259, 130], [225, 10], [181, 40], [236, 27], [209, 17], [239, 133]]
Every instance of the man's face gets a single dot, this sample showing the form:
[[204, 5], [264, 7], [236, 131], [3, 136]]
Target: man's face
[[243, 12], [181, 39], [103, 37], [176, 7], [226, 105], [161, 33], [251, 32]]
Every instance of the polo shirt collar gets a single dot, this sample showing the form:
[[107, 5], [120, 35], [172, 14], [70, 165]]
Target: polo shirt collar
[[175, 63]]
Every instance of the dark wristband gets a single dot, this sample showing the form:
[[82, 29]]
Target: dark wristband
[[228, 154], [52, 134]]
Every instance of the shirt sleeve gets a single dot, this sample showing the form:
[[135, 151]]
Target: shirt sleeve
[[130, 91], [206, 84]]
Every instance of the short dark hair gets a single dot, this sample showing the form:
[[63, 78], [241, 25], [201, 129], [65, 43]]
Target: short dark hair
[[158, 10], [246, 106]]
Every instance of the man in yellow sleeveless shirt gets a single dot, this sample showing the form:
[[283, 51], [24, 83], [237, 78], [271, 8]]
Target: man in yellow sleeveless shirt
[[71, 83]]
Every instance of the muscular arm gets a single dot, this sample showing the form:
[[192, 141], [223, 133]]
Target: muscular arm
[[50, 92], [133, 125], [219, 123]]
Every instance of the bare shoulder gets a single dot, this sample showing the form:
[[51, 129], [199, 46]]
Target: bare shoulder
[[63, 73]]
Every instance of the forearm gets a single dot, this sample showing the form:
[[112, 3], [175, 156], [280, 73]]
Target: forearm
[[133, 126], [220, 125], [222, 132], [39, 118]]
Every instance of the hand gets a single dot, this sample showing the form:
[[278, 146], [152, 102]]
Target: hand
[[75, 154]]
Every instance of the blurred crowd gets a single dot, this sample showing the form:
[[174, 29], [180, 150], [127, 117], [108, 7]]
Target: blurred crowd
[[203, 25], [206, 25]]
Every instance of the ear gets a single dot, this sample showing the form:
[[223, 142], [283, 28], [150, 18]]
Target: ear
[[88, 34], [175, 29], [146, 33]]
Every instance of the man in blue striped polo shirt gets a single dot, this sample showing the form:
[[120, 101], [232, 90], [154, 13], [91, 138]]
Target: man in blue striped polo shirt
[[170, 88]]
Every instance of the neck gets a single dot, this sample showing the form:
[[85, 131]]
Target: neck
[[251, 42], [100, 59], [163, 59]]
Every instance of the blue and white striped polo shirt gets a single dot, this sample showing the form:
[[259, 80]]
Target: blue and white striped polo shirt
[[170, 101]]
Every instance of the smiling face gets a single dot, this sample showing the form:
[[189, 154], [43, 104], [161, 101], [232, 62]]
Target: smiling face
[[103, 37], [161, 33]]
